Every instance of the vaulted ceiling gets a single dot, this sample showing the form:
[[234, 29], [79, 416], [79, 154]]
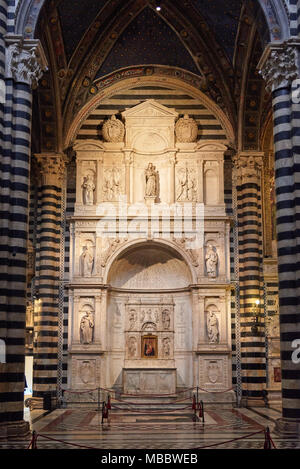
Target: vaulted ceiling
[[88, 42]]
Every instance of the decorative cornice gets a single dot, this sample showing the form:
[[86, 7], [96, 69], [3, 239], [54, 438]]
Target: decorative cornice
[[279, 64], [25, 60]]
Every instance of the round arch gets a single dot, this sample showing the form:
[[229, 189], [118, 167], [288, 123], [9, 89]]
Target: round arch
[[158, 80], [275, 12], [159, 245]]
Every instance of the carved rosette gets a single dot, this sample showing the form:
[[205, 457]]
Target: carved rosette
[[186, 129], [26, 61], [280, 68], [113, 130]]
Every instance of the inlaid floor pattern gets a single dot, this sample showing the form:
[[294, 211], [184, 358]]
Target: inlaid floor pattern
[[139, 430]]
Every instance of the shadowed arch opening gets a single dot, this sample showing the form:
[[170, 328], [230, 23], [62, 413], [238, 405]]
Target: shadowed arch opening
[[149, 267]]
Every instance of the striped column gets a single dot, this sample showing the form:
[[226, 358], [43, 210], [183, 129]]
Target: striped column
[[48, 256], [287, 174], [294, 7], [22, 69], [249, 223]]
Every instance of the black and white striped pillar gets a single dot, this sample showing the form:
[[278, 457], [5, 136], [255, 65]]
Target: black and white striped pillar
[[247, 181], [47, 278], [25, 62], [279, 66]]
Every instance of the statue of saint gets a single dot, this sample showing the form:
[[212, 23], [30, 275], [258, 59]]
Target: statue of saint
[[87, 324], [151, 175], [166, 347], [212, 328], [211, 261], [132, 346], [132, 319], [86, 262], [88, 188], [166, 319]]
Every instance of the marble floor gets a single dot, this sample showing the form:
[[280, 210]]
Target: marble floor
[[78, 428]]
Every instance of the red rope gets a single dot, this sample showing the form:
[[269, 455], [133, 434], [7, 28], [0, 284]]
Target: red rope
[[162, 403], [272, 442], [147, 411], [230, 441], [66, 442], [146, 395]]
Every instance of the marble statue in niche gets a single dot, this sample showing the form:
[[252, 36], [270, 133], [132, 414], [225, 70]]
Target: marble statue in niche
[[86, 262], [113, 130], [132, 319], [212, 328], [186, 129], [87, 325], [166, 346], [211, 261], [166, 319], [151, 181], [132, 347], [88, 188], [111, 187]]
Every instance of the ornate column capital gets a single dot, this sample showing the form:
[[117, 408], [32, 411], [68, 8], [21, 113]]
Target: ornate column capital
[[279, 64], [25, 60], [247, 166], [52, 166]]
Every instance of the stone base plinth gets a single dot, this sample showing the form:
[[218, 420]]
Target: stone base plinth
[[18, 429], [149, 381], [288, 427], [34, 403], [220, 399]]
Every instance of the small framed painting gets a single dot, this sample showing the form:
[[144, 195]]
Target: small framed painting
[[149, 346]]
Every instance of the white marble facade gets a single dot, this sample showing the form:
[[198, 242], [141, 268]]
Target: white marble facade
[[139, 282]]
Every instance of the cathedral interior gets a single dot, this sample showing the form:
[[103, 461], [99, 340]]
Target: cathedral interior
[[149, 217]]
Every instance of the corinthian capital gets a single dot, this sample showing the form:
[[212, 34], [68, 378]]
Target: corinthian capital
[[25, 60], [278, 64], [52, 167], [248, 167]]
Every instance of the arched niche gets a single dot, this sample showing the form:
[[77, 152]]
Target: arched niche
[[211, 187], [149, 266]]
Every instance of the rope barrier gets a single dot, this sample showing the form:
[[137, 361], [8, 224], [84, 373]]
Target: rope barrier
[[230, 441], [36, 436], [162, 403], [70, 391], [159, 412]]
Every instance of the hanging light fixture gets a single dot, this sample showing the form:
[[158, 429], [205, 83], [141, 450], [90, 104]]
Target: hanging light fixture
[[158, 5]]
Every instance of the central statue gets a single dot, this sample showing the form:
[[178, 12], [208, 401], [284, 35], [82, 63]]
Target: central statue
[[151, 181]]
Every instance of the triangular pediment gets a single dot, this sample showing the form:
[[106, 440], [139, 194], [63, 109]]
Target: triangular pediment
[[150, 108]]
